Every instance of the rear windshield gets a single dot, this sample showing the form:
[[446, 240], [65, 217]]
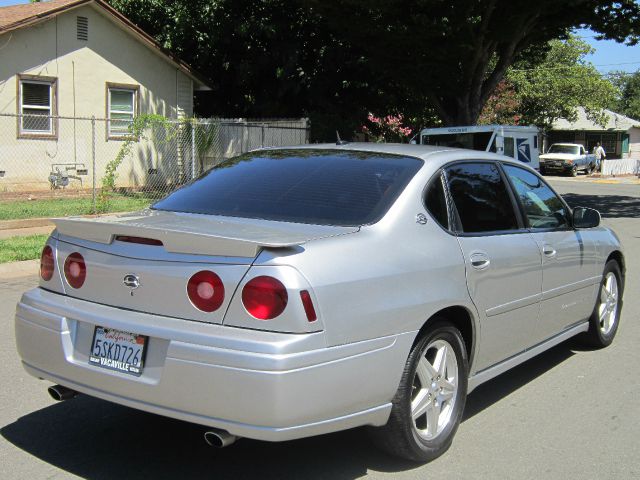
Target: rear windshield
[[322, 187]]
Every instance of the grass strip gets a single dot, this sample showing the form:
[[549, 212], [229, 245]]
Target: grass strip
[[15, 249], [63, 207]]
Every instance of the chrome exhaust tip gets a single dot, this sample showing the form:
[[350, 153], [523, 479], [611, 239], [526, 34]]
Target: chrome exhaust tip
[[60, 393], [219, 438]]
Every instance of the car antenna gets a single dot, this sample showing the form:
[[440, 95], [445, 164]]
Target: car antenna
[[339, 141]]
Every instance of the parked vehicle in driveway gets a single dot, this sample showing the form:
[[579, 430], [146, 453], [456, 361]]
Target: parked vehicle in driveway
[[569, 158], [298, 291]]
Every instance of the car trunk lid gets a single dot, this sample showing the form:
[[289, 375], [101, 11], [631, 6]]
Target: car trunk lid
[[182, 245]]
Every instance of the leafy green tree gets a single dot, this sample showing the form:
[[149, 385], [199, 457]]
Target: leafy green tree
[[629, 101], [454, 54], [269, 58], [338, 60], [556, 86]]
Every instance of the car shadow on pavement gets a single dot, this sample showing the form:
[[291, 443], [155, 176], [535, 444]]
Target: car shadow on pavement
[[96, 439], [608, 205], [503, 385]]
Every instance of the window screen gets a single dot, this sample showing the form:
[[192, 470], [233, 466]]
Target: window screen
[[36, 106], [121, 111], [303, 186], [481, 198], [543, 208]]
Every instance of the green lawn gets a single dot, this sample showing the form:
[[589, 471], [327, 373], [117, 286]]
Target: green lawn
[[21, 248], [62, 207]]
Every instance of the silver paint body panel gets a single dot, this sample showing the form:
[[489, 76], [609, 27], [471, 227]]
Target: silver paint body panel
[[373, 287]]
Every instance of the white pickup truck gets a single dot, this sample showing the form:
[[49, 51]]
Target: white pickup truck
[[567, 158]]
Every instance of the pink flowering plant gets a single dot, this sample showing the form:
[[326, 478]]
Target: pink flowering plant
[[386, 129]]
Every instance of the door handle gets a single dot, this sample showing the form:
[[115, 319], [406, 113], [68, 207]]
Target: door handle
[[479, 261], [549, 251]]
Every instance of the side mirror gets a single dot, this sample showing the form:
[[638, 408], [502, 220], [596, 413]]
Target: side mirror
[[584, 217]]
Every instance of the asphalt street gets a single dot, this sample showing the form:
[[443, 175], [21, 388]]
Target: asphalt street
[[569, 413]]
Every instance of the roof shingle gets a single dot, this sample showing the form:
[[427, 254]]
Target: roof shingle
[[616, 122], [15, 15]]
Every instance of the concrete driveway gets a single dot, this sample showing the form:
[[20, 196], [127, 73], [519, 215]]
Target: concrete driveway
[[569, 413]]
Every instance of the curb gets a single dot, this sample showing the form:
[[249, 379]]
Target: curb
[[601, 180], [24, 223], [26, 268]]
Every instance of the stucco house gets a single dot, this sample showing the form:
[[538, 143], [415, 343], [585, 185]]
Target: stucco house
[[620, 137], [63, 61]]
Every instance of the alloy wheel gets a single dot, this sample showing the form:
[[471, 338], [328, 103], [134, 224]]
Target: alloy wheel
[[608, 308], [434, 389]]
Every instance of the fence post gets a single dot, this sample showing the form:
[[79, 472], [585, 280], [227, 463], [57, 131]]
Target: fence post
[[93, 162], [262, 138], [193, 149]]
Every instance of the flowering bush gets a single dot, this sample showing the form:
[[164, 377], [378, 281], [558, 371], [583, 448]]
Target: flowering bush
[[386, 129]]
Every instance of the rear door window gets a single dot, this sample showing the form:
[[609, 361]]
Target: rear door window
[[436, 202], [481, 198], [325, 187]]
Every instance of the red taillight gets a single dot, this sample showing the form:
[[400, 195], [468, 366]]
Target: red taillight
[[46, 263], [206, 291], [75, 270], [264, 297], [308, 306]]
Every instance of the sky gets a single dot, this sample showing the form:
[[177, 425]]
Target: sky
[[609, 55]]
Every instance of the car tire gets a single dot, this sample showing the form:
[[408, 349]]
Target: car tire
[[605, 318], [591, 169], [428, 405], [574, 171]]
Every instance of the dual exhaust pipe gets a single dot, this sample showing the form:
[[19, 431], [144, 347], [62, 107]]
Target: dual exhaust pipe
[[214, 437]]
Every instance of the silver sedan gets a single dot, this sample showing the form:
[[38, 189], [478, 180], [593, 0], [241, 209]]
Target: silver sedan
[[298, 291]]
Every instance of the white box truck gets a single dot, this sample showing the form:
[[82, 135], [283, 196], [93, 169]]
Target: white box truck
[[518, 142]]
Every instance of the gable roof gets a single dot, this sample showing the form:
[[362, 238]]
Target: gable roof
[[20, 16], [615, 122]]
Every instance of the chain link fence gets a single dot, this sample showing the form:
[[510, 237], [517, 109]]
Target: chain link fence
[[43, 157]]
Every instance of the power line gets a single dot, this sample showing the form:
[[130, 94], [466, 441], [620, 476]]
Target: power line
[[583, 65]]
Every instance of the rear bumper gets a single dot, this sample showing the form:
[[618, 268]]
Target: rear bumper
[[262, 385]]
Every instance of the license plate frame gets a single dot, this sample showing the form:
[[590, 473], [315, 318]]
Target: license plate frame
[[124, 346]]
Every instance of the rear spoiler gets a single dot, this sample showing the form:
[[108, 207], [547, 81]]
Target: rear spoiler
[[174, 240], [200, 235]]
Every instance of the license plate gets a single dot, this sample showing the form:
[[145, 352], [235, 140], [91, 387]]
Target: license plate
[[117, 350]]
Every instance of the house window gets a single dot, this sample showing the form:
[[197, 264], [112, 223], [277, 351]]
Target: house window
[[122, 107], [36, 106], [609, 142]]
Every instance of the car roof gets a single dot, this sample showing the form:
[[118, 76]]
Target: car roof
[[435, 154]]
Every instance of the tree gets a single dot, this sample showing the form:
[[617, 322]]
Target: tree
[[272, 58], [337, 60], [454, 54], [503, 107], [629, 102], [543, 91]]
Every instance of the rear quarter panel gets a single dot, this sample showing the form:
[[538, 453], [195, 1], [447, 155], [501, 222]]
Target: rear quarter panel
[[389, 278]]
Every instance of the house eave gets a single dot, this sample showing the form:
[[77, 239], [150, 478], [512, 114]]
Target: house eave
[[200, 84]]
